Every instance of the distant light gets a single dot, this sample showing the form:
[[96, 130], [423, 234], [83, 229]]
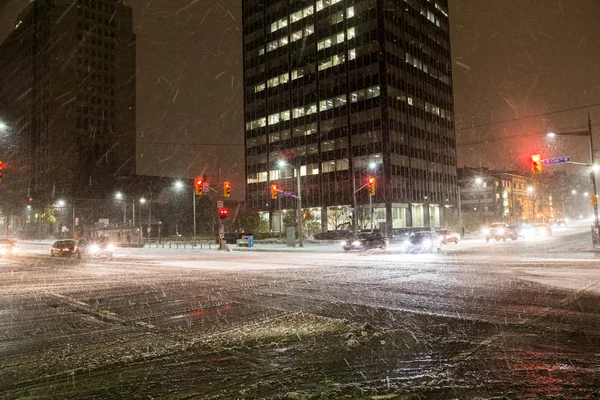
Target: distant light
[[3, 126], [551, 134], [573, 191], [372, 165], [281, 163], [530, 189], [28, 207], [178, 185], [61, 203], [596, 168], [142, 200], [586, 194], [119, 196], [479, 180]]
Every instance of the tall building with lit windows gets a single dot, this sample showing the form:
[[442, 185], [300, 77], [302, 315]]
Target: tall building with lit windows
[[67, 98], [338, 91]]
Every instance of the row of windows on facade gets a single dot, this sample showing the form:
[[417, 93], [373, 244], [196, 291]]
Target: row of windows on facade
[[410, 23], [338, 17], [98, 5], [504, 184], [91, 123], [297, 16], [309, 109], [96, 42], [97, 111], [98, 55], [338, 59], [86, 96], [98, 31], [96, 17], [355, 97]]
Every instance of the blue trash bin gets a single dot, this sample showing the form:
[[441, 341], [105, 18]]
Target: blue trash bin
[[250, 241]]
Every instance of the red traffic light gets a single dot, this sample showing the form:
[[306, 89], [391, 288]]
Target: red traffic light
[[198, 182], [223, 213], [371, 181]]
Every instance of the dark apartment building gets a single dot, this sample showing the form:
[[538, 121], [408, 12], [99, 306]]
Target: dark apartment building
[[67, 102], [343, 90]]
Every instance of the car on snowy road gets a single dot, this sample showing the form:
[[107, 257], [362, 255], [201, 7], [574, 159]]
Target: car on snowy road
[[101, 247], [449, 237], [423, 242], [65, 248], [8, 248], [365, 241]]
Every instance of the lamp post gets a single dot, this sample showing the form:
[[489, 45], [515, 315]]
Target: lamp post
[[532, 199], [179, 185], [119, 196], [142, 201], [298, 196]]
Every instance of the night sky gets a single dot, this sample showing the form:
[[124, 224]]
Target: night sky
[[511, 59]]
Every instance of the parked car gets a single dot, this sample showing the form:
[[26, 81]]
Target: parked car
[[449, 236], [365, 241], [65, 248], [8, 248], [96, 247], [501, 231], [423, 242]]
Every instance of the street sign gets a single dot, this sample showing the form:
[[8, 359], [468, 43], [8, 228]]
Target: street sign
[[219, 204], [287, 193], [205, 187], [557, 160]]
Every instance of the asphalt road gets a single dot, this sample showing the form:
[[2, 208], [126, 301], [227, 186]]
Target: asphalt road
[[507, 320]]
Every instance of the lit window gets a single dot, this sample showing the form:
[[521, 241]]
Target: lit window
[[352, 54], [350, 12], [410, 101], [309, 30], [351, 33], [296, 36]]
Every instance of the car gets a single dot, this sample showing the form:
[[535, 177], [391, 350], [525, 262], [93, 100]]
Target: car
[[560, 223], [423, 242], [96, 247], [366, 241], [8, 248], [449, 236], [536, 230], [501, 231], [65, 248]]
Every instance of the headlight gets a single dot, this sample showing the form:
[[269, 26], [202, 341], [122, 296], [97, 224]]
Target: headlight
[[94, 248], [15, 250], [356, 243], [344, 242], [405, 244], [501, 231], [566, 219], [485, 231], [110, 247], [427, 243], [3, 251]]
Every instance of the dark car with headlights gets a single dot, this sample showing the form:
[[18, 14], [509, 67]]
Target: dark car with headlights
[[365, 241], [65, 248], [423, 242], [8, 248], [100, 247]]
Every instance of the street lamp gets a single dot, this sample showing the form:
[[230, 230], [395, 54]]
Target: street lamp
[[3, 126], [61, 203], [298, 196], [179, 186]]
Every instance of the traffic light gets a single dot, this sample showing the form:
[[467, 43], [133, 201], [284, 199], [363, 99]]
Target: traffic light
[[198, 182], [1, 165], [536, 163], [371, 186], [223, 212], [593, 200], [274, 189], [226, 189]]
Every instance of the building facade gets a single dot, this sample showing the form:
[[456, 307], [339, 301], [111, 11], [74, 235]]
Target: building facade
[[67, 101], [337, 91]]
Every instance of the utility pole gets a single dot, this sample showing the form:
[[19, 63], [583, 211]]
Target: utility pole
[[355, 202], [593, 179], [194, 202]]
